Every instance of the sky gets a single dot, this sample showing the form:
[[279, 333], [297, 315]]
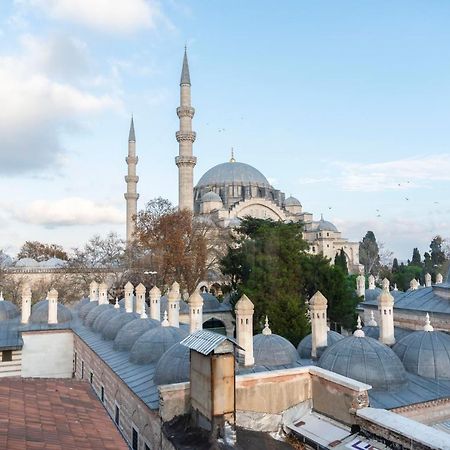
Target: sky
[[344, 105]]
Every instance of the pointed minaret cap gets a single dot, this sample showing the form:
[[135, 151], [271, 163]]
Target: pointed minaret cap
[[165, 322], [359, 332], [427, 326], [372, 322], [318, 299], [266, 330], [116, 305], [155, 292], [131, 135], [244, 304], [52, 294], [385, 283], [140, 289], [129, 286], [185, 77], [174, 292], [195, 299]]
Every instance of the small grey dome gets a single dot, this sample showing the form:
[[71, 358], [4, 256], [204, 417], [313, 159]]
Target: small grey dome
[[39, 313], [374, 332], [173, 366], [103, 318], [324, 225], [292, 201], [184, 307], [80, 303], [371, 295], [111, 329], [86, 308], [272, 350], [210, 302], [129, 333], [425, 353], [94, 313], [8, 310], [211, 197], [233, 173], [366, 360], [154, 343], [53, 263], [304, 348]]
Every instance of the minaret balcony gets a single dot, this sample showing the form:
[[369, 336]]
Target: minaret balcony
[[185, 136], [185, 111], [131, 196], [186, 161], [131, 159], [131, 178]]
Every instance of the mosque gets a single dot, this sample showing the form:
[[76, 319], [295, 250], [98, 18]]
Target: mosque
[[232, 190]]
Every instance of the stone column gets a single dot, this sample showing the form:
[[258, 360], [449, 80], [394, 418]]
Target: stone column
[[140, 298], [360, 285], [26, 303], [129, 297], [155, 303], [386, 314], [244, 330], [319, 329], [103, 294], [195, 312], [52, 297], [93, 291], [173, 303]]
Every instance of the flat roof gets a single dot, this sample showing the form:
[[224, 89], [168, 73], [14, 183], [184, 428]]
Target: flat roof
[[56, 414]]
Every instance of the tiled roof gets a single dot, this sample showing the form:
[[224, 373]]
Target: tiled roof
[[54, 414]]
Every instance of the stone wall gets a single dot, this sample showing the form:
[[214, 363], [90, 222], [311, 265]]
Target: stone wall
[[427, 413], [133, 412]]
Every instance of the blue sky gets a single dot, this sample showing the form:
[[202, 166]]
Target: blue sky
[[344, 105]]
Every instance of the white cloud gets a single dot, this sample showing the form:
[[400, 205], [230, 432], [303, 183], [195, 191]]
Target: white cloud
[[69, 212], [400, 174], [105, 15], [37, 107]]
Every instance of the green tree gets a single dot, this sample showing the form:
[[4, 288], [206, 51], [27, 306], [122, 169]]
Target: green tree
[[340, 260], [268, 262], [416, 258], [395, 265], [437, 254], [369, 253]]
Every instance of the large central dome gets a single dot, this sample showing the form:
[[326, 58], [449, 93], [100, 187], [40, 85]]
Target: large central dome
[[233, 173]]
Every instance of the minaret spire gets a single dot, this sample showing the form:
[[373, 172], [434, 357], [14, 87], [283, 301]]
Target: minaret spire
[[131, 179], [185, 160]]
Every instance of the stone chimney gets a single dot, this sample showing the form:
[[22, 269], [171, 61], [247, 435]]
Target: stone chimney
[[155, 303], [439, 278], [26, 303], [93, 291], [371, 282], [414, 284], [385, 284], [244, 330], [318, 312], [129, 297], [140, 298], [360, 285], [173, 303], [427, 280], [195, 312], [52, 297], [386, 314], [103, 294]]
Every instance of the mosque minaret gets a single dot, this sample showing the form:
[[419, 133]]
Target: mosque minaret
[[131, 196], [185, 160]]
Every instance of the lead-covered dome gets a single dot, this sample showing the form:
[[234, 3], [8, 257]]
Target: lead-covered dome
[[39, 313], [111, 329], [129, 333], [86, 308], [292, 201], [425, 353], [154, 343], [173, 366], [211, 197], [94, 313], [8, 310], [272, 350], [304, 348], [103, 319], [233, 173], [325, 225], [366, 360]]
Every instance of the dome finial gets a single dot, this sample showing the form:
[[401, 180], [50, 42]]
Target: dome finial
[[372, 321], [1, 296], [359, 332], [428, 326], [321, 217], [266, 330], [232, 159], [116, 305], [165, 322]]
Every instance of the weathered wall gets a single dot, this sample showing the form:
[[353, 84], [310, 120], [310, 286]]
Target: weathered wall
[[133, 412], [47, 354], [428, 412]]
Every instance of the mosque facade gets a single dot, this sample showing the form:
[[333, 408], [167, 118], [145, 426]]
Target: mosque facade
[[232, 190]]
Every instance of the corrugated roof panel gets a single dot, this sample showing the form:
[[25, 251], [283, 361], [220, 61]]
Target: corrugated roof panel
[[205, 342]]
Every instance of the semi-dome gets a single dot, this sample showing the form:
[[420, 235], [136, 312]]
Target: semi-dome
[[211, 197], [325, 225], [173, 366], [154, 343], [129, 333], [39, 314], [8, 310], [272, 350], [292, 201], [26, 262], [304, 348], [111, 329], [86, 308], [94, 313], [425, 353], [103, 318], [366, 360], [233, 173]]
